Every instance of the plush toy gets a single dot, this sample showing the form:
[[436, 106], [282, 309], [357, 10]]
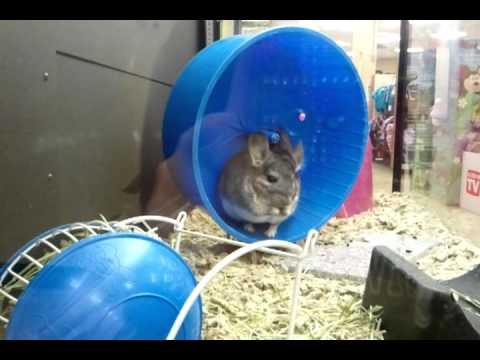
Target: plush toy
[[468, 105], [471, 141]]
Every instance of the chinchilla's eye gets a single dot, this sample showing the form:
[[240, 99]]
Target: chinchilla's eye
[[272, 178]]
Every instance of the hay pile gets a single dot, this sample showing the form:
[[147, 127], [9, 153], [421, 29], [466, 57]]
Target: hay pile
[[252, 300], [402, 214]]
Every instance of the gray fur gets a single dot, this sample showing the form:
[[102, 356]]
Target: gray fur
[[246, 190]]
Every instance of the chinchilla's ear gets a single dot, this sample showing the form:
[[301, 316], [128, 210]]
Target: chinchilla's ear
[[258, 148], [285, 143]]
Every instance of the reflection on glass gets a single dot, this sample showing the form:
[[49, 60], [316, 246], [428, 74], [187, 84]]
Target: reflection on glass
[[442, 136]]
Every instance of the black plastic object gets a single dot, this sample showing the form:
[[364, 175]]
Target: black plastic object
[[417, 307]]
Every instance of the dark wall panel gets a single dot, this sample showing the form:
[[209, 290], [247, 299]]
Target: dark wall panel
[[70, 142]]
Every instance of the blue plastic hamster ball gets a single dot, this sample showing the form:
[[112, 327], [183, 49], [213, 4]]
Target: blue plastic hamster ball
[[291, 78], [108, 287]]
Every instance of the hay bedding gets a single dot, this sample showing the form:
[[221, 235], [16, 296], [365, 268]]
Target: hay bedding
[[401, 214], [251, 300]]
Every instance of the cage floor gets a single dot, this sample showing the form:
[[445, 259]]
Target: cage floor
[[251, 298]]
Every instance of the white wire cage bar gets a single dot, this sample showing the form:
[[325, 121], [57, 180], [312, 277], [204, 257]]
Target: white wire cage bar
[[46, 240], [135, 224]]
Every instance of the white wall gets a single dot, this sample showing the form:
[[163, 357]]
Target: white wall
[[388, 65]]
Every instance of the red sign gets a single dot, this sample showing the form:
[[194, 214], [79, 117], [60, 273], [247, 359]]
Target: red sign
[[473, 183]]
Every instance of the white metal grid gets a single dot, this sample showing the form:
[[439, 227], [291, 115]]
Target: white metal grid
[[11, 280]]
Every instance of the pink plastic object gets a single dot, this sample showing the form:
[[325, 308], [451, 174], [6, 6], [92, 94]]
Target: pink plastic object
[[361, 197]]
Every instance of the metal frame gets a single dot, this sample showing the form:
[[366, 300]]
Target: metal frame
[[401, 106], [212, 31], [133, 225], [237, 27]]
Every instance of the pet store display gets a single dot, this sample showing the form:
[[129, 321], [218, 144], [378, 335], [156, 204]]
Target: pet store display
[[384, 100], [244, 96], [259, 135], [468, 106], [470, 184], [420, 99], [454, 121], [467, 116], [470, 142]]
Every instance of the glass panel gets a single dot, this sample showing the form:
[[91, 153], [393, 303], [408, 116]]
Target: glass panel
[[383, 117], [442, 136]]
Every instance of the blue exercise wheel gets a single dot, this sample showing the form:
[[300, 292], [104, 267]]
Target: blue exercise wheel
[[115, 286], [291, 78]]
